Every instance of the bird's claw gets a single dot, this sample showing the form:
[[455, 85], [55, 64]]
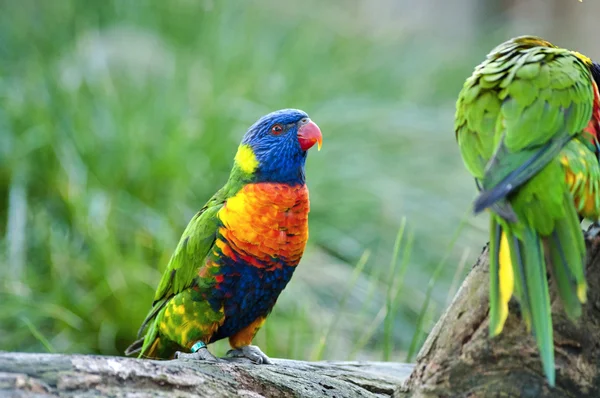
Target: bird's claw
[[201, 355], [251, 352]]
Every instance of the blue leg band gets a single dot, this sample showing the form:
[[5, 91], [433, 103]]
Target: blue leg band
[[198, 346]]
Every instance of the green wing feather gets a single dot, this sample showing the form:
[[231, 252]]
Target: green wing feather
[[516, 117], [524, 96], [189, 256], [195, 243], [536, 288], [497, 312], [583, 176]]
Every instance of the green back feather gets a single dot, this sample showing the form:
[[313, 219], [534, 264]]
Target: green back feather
[[516, 116], [195, 244]]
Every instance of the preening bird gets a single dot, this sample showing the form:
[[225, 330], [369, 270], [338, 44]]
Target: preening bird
[[527, 126], [239, 251]]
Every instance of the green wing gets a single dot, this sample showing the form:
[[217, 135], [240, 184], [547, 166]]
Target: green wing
[[518, 110], [189, 256], [583, 176], [195, 243], [515, 116]]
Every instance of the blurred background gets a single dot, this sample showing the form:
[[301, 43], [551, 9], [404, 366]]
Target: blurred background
[[119, 119]]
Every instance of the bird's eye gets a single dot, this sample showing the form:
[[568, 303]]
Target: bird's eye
[[304, 120], [277, 129]]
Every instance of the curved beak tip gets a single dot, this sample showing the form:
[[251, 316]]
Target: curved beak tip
[[309, 135]]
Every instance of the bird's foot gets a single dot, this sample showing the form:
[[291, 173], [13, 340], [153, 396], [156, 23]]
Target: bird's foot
[[251, 352], [199, 353]]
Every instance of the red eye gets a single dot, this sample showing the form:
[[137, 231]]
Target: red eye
[[277, 129]]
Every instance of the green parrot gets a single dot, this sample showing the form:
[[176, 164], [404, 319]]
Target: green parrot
[[527, 127]]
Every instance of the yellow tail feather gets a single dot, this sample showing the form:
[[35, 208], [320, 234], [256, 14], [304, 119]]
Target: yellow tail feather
[[506, 281]]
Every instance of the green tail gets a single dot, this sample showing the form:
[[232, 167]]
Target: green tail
[[497, 317], [530, 286], [529, 265], [566, 255], [562, 251], [147, 343]]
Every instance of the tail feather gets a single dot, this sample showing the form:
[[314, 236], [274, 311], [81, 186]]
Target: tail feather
[[146, 345], [539, 299], [135, 347], [565, 252], [517, 265], [156, 307], [151, 339], [559, 258], [152, 348], [501, 278], [161, 348], [496, 306], [574, 221], [153, 351]]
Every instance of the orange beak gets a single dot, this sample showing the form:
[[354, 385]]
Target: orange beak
[[309, 134]]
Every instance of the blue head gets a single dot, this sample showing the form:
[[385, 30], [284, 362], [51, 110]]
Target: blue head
[[274, 148]]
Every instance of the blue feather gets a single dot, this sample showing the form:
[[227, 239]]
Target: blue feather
[[280, 158]]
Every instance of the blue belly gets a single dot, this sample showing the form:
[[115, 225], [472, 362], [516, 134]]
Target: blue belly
[[246, 293]]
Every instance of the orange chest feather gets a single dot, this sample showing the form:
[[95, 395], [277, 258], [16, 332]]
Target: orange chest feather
[[265, 222]]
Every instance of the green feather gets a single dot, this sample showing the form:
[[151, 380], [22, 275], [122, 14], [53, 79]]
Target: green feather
[[562, 252], [521, 289], [539, 299], [502, 177], [519, 126], [529, 71], [182, 270], [495, 301]]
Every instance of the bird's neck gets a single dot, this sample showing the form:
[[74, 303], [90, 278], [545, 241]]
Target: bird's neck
[[286, 167]]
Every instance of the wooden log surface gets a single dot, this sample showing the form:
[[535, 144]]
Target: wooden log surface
[[459, 359], [48, 375]]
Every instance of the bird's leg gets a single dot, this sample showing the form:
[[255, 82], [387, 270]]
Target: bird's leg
[[240, 342], [251, 352], [199, 353]]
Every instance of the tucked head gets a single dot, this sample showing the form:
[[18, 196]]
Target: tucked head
[[595, 68], [274, 148]]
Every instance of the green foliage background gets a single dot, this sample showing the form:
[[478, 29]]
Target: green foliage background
[[119, 119]]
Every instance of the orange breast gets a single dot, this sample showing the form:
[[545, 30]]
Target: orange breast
[[266, 222]]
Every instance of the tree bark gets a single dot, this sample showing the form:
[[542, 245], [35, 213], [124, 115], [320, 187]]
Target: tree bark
[[459, 359], [43, 375]]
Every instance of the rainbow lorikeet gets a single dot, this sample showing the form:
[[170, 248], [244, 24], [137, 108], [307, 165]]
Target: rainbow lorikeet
[[239, 252], [527, 123]]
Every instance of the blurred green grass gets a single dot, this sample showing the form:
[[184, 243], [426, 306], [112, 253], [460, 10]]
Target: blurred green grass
[[119, 119]]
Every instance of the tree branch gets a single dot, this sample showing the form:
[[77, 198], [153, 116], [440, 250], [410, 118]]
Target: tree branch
[[459, 359], [77, 375]]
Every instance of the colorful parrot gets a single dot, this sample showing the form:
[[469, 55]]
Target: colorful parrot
[[527, 124], [239, 251]]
